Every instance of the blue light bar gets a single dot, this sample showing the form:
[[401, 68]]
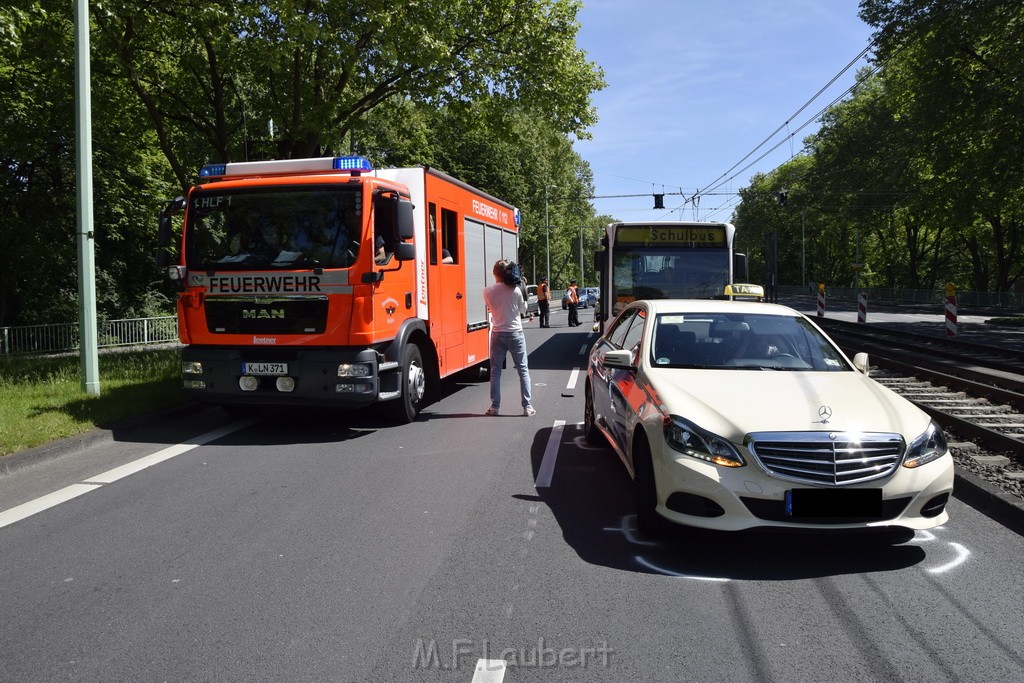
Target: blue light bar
[[213, 170], [355, 164]]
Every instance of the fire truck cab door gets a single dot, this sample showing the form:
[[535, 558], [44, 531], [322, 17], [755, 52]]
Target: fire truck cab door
[[448, 298]]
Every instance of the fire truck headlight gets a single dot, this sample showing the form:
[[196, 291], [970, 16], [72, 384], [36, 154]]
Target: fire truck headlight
[[285, 384], [354, 370], [191, 368], [248, 383], [353, 388]]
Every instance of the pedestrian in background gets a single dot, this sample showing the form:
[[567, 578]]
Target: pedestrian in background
[[505, 301], [544, 302], [573, 303]]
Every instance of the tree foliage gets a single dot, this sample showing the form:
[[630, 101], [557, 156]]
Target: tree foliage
[[481, 89], [919, 169]]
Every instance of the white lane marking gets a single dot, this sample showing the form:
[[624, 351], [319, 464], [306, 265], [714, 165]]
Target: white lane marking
[[489, 671], [46, 502], [573, 377], [65, 494], [962, 555], [583, 350], [142, 463], [547, 464]]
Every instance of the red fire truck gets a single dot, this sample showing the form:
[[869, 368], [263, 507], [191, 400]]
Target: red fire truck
[[324, 282]]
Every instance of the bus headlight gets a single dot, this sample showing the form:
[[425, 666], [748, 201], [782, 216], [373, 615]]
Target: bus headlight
[[191, 367]]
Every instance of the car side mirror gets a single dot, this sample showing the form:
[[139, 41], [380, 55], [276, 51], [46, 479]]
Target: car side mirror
[[619, 359], [860, 361]]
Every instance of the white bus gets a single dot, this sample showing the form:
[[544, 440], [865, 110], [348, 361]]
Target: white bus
[[666, 260]]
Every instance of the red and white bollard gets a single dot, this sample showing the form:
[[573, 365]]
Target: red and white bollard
[[951, 328], [862, 307], [821, 300]]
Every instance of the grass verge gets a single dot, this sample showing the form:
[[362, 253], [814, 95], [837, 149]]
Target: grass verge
[[41, 398]]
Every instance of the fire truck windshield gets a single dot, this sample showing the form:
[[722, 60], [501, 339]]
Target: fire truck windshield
[[282, 227]]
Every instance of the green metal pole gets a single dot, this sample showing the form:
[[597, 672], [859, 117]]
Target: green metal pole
[[88, 347]]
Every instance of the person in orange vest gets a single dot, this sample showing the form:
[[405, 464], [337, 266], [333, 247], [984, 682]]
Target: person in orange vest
[[574, 302], [544, 302]]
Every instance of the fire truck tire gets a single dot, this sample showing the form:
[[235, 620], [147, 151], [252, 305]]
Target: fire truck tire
[[414, 386]]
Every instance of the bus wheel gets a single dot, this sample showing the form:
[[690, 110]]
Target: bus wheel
[[414, 386]]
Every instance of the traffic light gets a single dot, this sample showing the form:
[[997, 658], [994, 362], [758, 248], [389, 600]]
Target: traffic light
[[659, 201]]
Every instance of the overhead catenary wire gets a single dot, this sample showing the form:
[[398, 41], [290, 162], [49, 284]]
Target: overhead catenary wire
[[786, 123]]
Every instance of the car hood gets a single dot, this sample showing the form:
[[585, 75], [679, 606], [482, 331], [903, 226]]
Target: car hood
[[732, 403]]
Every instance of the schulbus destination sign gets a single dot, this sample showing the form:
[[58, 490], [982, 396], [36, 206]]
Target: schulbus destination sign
[[672, 235]]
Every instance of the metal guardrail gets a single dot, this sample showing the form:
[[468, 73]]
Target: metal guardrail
[[1009, 300], [110, 333]]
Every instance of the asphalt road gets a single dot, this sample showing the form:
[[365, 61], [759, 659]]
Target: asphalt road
[[310, 546]]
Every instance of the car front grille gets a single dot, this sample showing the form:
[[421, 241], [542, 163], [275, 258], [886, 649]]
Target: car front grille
[[827, 458]]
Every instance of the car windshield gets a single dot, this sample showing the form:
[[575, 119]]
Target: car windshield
[[278, 228], [742, 342]]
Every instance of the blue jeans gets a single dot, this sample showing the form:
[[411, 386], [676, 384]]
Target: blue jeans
[[514, 343]]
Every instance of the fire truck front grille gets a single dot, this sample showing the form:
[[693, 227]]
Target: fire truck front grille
[[266, 315]]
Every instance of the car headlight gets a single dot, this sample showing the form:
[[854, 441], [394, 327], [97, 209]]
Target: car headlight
[[689, 439], [929, 446]]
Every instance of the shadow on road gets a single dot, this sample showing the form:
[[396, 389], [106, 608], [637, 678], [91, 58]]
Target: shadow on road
[[591, 496]]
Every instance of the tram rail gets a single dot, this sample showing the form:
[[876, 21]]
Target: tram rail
[[974, 390]]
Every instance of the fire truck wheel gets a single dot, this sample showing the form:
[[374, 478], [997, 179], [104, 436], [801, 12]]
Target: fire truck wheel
[[414, 385]]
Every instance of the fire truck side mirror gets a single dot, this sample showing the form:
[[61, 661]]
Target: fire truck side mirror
[[393, 217], [405, 251], [163, 232], [405, 228]]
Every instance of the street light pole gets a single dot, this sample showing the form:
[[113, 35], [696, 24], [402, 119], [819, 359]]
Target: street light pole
[[582, 284], [547, 230]]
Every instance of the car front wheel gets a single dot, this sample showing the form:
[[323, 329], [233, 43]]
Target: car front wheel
[[648, 521]]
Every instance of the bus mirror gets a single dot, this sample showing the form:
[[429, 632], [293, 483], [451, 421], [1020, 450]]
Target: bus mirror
[[739, 268], [599, 260], [162, 258]]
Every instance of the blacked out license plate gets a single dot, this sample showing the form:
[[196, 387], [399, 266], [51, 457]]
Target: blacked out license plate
[[863, 503]]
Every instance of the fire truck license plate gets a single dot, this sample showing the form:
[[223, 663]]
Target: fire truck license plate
[[273, 369]]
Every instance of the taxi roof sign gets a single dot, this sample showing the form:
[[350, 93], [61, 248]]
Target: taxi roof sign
[[744, 291]]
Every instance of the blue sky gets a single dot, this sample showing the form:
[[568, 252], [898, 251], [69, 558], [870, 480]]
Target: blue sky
[[696, 85]]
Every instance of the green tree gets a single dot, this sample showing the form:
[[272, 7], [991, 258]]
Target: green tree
[[212, 76]]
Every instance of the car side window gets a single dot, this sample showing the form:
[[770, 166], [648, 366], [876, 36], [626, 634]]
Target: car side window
[[617, 335], [634, 334]]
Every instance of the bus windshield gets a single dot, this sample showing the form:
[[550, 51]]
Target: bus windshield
[[657, 273], [286, 228]]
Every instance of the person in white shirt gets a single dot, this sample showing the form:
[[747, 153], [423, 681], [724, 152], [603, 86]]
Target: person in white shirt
[[507, 305]]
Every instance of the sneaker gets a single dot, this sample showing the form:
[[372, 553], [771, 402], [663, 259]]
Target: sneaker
[[529, 411], [491, 411]]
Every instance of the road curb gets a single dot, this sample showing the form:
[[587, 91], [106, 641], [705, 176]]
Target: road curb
[[9, 464], [1003, 507]]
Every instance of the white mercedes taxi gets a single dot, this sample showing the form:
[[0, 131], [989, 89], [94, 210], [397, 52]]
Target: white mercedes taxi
[[733, 415]]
